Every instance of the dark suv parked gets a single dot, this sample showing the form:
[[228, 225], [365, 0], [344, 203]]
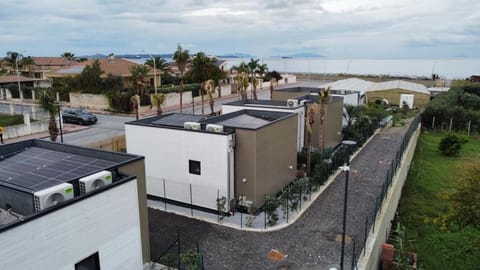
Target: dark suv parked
[[78, 116]]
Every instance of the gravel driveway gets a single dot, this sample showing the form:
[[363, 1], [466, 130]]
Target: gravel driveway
[[309, 243]]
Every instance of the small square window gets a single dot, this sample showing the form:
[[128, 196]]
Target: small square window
[[92, 262], [194, 167]]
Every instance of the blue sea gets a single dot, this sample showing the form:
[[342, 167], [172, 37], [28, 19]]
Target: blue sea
[[449, 68]]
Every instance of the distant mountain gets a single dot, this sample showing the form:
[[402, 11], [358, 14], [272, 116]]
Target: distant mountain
[[236, 55], [298, 55]]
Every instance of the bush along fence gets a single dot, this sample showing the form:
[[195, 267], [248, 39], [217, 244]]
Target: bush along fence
[[369, 224], [181, 253]]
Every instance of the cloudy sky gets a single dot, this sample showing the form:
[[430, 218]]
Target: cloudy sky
[[332, 28]]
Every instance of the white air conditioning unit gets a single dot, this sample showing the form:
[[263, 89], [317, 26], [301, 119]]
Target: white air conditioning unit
[[94, 181], [214, 128], [52, 196], [191, 125], [291, 103]]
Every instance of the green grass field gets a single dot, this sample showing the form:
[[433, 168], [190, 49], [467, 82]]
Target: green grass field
[[10, 120], [431, 177]]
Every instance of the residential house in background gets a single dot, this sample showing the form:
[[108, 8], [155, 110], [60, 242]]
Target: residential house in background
[[67, 207], [332, 128], [114, 66], [240, 155]]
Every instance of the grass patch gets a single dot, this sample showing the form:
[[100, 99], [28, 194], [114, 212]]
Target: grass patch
[[431, 177], [10, 120]]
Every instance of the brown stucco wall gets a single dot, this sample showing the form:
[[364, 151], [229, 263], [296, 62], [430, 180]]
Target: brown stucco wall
[[393, 96], [245, 166], [276, 151], [137, 168], [284, 95], [333, 123], [263, 157]]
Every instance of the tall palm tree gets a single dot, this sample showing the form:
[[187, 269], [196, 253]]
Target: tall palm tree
[[309, 121], [324, 97], [28, 62], [11, 59], [210, 86], [160, 64], [273, 83], [242, 81], [47, 102], [139, 73], [135, 102], [252, 69], [181, 57], [157, 101]]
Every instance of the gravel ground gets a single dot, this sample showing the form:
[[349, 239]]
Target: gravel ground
[[310, 242]]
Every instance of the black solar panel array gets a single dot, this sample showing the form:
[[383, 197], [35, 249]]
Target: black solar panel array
[[37, 168]]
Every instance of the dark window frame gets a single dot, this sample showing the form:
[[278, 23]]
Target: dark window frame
[[194, 167], [92, 260]]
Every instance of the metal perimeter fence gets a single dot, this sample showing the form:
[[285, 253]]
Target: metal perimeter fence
[[369, 226], [181, 253]]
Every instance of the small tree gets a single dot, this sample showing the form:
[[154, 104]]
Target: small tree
[[450, 145], [157, 101], [47, 102]]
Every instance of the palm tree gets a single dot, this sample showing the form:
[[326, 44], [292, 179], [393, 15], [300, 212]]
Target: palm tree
[[242, 81], [262, 69], [273, 83], [160, 65], [353, 113], [69, 56], [139, 73], [309, 121], [11, 60], [252, 69], [324, 95], [157, 101], [28, 62], [210, 85], [181, 57], [47, 102], [135, 102]]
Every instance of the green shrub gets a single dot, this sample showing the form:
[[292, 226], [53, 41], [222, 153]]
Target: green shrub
[[450, 145]]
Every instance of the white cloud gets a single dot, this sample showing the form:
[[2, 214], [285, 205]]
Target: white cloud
[[335, 28]]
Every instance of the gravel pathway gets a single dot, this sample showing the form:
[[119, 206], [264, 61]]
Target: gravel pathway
[[310, 243]]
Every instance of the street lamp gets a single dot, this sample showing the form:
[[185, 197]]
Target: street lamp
[[346, 168], [18, 76], [154, 72]]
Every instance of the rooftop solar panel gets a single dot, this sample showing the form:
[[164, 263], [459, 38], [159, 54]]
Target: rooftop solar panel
[[36, 168]]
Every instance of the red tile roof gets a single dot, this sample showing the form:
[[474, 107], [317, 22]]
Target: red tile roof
[[52, 61], [13, 79], [115, 66]]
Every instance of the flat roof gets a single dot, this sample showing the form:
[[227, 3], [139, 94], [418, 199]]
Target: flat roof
[[299, 89], [248, 119], [262, 103], [34, 165], [177, 119]]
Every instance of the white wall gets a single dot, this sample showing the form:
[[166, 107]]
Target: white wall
[[107, 223], [300, 111], [167, 153]]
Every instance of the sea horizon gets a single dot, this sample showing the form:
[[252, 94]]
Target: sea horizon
[[448, 67]]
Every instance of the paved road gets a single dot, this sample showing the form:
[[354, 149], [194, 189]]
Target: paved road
[[107, 126], [310, 243]]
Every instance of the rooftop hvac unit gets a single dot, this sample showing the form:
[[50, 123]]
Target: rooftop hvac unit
[[191, 125], [214, 128], [52, 196], [291, 103], [94, 181]]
